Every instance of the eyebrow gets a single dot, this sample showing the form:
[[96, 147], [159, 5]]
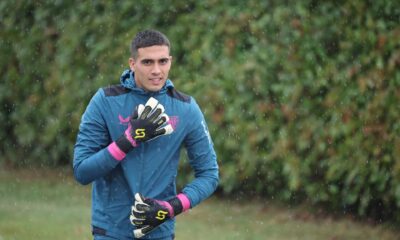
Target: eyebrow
[[152, 60]]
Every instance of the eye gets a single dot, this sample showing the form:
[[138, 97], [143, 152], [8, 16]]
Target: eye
[[164, 61], [147, 62]]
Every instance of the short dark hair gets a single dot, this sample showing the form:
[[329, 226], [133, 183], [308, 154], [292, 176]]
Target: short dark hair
[[148, 38]]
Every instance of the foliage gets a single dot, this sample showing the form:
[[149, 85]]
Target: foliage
[[301, 96]]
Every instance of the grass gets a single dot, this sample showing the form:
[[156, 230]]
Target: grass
[[42, 204]]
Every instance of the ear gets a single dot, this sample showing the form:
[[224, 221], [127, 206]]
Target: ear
[[132, 64]]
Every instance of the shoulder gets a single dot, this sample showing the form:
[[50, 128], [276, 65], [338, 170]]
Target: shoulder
[[102, 94], [173, 93], [187, 102], [114, 90]]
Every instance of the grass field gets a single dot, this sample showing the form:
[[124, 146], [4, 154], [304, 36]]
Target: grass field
[[46, 205]]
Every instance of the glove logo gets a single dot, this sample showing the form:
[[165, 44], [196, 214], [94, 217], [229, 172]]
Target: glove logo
[[161, 215], [140, 133]]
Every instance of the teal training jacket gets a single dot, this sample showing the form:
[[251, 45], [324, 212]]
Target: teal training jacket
[[150, 168]]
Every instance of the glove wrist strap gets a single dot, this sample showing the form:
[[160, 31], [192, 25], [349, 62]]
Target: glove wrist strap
[[116, 152], [180, 203], [124, 144]]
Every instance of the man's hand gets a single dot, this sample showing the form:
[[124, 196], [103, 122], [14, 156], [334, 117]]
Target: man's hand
[[147, 122], [148, 213]]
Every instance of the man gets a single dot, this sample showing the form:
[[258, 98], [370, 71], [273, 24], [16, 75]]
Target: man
[[128, 147]]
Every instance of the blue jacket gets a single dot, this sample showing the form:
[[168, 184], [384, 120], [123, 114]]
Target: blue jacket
[[151, 168]]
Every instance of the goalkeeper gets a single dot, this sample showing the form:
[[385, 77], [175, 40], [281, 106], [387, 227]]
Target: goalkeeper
[[128, 147]]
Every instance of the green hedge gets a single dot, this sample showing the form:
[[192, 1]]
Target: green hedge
[[302, 97]]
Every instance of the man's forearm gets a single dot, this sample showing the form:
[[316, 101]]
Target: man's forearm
[[95, 166]]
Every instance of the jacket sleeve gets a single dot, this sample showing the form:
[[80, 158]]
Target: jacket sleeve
[[202, 159], [91, 157]]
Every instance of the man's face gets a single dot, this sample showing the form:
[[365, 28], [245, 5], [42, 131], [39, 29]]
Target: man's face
[[151, 67]]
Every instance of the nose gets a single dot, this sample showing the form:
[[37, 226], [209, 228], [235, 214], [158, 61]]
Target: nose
[[156, 69]]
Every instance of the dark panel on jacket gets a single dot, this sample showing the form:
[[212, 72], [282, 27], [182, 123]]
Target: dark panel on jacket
[[178, 95], [115, 90]]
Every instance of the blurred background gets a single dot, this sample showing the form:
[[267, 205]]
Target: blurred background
[[302, 99]]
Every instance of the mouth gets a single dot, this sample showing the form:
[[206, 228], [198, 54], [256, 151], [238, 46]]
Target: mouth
[[156, 81]]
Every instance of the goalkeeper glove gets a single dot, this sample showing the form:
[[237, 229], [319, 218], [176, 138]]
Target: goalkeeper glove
[[146, 123], [148, 213]]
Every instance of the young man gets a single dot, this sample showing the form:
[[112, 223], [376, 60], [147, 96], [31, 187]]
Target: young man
[[128, 147]]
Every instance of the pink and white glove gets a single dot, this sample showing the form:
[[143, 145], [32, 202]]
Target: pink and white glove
[[147, 122], [148, 213]]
